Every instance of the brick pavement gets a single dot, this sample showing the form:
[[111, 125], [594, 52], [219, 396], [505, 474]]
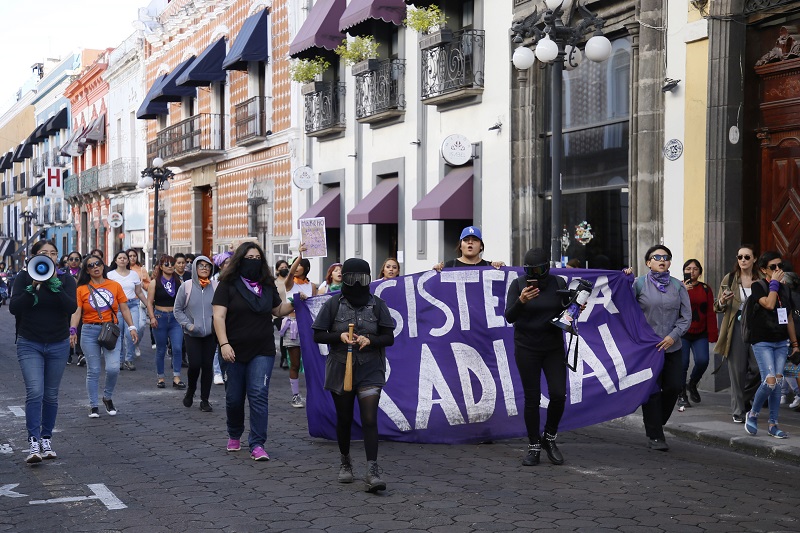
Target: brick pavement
[[168, 466]]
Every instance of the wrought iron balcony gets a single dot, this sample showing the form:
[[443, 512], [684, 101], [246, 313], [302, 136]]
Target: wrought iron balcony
[[189, 140], [39, 163], [380, 93], [104, 177], [71, 187], [454, 70], [125, 173], [324, 109], [251, 121], [88, 180]]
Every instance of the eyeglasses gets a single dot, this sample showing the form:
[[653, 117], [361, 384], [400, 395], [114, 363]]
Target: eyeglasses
[[660, 257], [51, 254], [351, 278], [205, 266], [775, 267], [746, 257], [536, 270], [96, 264]]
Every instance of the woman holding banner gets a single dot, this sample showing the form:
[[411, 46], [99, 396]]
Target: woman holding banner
[[469, 250], [297, 286], [668, 310], [351, 372], [532, 302]]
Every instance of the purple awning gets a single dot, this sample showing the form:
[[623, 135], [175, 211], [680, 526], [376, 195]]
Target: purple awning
[[380, 206], [393, 11], [328, 206], [320, 30], [450, 199]]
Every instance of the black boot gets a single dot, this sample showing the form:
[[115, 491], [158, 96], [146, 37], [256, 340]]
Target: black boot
[[188, 399], [346, 470], [548, 443], [532, 459], [683, 401], [693, 392]]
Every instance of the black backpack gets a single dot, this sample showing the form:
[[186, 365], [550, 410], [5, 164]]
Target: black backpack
[[751, 305]]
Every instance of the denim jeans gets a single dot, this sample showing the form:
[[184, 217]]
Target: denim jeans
[[127, 349], [251, 380], [168, 328], [93, 351], [771, 357], [42, 366], [700, 349]]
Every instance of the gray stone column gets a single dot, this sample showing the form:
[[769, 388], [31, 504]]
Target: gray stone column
[[647, 129]]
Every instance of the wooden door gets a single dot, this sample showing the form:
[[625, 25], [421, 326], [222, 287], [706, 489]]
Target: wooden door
[[208, 222], [780, 198]]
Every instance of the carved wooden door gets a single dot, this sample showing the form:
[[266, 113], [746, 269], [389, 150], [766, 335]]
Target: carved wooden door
[[780, 198]]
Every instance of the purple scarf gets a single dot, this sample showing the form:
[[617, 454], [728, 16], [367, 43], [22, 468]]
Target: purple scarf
[[659, 279], [169, 285], [74, 272], [254, 286]]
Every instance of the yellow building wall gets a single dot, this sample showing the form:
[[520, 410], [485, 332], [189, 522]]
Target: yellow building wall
[[694, 182]]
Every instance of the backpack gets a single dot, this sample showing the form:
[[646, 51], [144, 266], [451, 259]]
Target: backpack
[[751, 305], [187, 288]]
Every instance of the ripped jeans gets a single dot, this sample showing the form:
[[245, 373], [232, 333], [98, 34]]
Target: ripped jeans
[[771, 359]]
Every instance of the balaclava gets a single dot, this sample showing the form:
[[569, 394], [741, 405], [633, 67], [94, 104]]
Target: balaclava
[[358, 294]]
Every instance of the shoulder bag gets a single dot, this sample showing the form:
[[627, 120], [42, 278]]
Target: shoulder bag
[[109, 331]]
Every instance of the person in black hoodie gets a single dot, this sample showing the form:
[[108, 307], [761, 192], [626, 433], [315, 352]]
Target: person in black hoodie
[[43, 310], [374, 331], [531, 303]]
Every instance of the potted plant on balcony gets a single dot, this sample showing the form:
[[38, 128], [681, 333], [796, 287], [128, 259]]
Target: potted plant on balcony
[[430, 23], [361, 54], [307, 72]]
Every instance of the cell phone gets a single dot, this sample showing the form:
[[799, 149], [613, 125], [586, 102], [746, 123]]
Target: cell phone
[[687, 276], [533, 283]]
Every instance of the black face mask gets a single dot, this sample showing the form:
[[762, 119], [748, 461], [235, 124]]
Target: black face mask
[[284, 272], [250, 268], [357, 294]]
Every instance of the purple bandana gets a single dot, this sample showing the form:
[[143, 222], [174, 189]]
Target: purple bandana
[[169, 286], [254, 286], [659, 279], [74, 271]]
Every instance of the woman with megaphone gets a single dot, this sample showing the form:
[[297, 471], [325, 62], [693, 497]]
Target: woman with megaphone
[[42, 302], [99, 301]]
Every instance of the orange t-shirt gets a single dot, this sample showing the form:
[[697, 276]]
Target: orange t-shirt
[[91, 302]]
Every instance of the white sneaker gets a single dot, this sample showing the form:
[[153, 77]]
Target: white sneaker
[[784, 401], [153, 346], [218, 379], [138, 352], [47, 450], [297, 401], [796, 403], [34, 453]]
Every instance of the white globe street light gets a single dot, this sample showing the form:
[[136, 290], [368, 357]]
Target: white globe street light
[[546, 50], [523, 58], [598, 48], [552, 5], [158, 162]]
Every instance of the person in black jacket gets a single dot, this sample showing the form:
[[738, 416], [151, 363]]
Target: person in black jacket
[[531, 303], [43, 310], [374, 331]]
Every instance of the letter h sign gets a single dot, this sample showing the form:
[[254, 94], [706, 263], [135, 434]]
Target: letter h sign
[[53, 183]]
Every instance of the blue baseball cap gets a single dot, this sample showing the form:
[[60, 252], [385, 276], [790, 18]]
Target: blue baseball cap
[[471, 231]]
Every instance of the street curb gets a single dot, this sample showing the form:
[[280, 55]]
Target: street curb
[[751, 445]]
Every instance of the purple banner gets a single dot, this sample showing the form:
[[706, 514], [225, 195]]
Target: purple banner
[[451, 375]]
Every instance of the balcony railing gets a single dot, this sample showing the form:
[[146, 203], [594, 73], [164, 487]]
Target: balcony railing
[[48, 213], [88, 180], [324, 109], [58, 160], [454, 70], [59, 212], [125, 173], [189, 140], [39, 163], [104, 177], [380, 93], [71, 187], [251, 121]]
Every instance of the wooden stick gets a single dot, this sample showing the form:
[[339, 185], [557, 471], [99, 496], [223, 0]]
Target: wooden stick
[[348, 367]]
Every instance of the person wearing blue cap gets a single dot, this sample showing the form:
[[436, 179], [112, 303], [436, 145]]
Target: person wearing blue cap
[[469, 249]]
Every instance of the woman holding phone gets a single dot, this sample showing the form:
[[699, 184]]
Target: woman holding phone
[[733, 291]]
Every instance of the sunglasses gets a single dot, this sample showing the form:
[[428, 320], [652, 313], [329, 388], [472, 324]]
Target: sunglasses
[[205, 266], [167, 264], [351, 278], [746, 257], [660, 257], [536, 270], [94, 264], [74, 259], [775, 267]]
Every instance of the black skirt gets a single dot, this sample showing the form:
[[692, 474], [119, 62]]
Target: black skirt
[[371, 373]]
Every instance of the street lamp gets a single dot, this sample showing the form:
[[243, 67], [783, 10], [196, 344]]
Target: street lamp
[[157, 177], [29, 217], [557, 46]]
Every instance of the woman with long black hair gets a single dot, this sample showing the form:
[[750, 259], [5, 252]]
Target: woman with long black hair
[[99, 301], [374, 331], [43, 310], [160, 306], [132, 285], [243, 306]]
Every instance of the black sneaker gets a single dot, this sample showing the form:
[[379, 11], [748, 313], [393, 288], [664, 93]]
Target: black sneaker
[[94, 413], [738, 419], [109, 407], [188, 398], [693, 393], [81, 360], [683, 401], [205, 406]]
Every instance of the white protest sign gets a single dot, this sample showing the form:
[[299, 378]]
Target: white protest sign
[[312, 234]]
